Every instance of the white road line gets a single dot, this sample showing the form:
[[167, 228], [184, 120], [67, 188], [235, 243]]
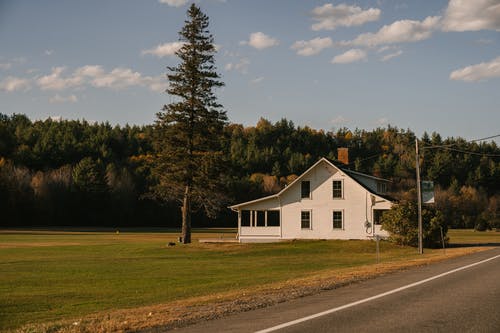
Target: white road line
[[320, 314]]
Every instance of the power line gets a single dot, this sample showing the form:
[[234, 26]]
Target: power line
[[490, 137], [364, 159], [454, 144], [446, 147], [471, 152]]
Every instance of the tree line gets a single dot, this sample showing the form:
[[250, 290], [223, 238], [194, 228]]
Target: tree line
[[72, 172]]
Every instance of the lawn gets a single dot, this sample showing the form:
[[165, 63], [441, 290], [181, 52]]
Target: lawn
[[48, 276], [469, 236]]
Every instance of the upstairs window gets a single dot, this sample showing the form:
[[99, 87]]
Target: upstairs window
[[305, 189], [305, 219], [338, 192], [381, 187]]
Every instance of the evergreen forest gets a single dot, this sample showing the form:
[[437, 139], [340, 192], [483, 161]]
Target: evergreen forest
[[76, 173]]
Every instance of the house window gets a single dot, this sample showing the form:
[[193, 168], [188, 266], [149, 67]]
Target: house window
[[305, 189], [261, 218], [273, 218], [377, 216], [338, 219], [245, 218], [305, 219], [337, 189], [381, 187]]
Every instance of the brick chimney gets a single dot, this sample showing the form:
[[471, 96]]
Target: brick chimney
[[343, 155]]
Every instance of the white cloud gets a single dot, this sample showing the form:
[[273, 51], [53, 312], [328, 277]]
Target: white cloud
[[118, 78], [392, 55], [260, 41], [241, 66], [397, 32], [11, 84], [312, 47], [228, 53], [339, 120], [479, 72], [55, 81], [156, 84], [19, 60], [89, 70], [61, 99], [353, 55], [385, 48], [472, 15], [382, 121], [12, 62], [5, 65], [174, 3], [485, 41], [257, 80], [121, 78], [90, 75], [163, 50], [329, 17], [49, 52]]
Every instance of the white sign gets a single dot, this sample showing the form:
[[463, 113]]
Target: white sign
[[427, 192]]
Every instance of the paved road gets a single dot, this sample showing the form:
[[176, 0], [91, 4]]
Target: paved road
[[464, 301]]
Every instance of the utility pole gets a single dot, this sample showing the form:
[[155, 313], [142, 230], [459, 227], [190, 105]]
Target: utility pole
[[419, 195]]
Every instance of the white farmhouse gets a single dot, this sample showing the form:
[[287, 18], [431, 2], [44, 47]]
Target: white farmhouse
[[325, 202]]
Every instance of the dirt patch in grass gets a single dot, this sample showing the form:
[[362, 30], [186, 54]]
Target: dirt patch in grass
[[162, 317]]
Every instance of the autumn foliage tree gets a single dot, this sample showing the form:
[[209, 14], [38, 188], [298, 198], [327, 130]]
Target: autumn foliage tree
[[57, 172], [189, 130]]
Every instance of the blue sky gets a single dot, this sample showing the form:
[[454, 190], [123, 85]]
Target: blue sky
[[427, 65]]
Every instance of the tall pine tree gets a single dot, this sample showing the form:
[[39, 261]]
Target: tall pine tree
[[189, 130]]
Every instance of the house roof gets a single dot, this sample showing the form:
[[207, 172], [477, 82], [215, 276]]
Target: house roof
[[349, 171], [383, 196], [346, 171], [352, 174]]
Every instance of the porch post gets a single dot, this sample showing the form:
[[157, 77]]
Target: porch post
[[239, 224]]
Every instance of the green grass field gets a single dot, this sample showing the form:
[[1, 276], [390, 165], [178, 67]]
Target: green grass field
[[47, 276], [467, 236]]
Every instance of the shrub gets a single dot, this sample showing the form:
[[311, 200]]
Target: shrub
[[401, 221]]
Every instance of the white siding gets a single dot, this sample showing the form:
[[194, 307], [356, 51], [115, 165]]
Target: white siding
[[260, 234], [271, 203]]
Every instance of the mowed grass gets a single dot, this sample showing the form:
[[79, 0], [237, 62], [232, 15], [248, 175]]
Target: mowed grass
[[469, 236], [48, 276]]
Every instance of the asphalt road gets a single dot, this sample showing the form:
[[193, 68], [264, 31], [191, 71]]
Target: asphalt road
[[467, 300]]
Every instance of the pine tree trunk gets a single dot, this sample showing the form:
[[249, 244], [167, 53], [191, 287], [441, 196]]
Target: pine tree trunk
[[186, 216]]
